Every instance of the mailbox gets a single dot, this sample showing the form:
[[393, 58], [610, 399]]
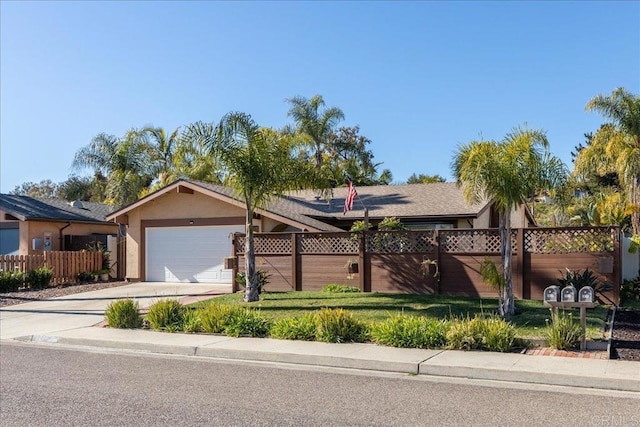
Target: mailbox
[[569, 294], [552, 293], [586, 294]]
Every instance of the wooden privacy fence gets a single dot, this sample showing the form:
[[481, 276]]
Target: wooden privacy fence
[[432, 261], [65, 264]]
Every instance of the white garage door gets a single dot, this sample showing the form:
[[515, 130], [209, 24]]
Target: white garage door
[[189, 254]]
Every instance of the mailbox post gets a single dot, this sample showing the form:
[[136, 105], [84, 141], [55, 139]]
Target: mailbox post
[[570, 298]]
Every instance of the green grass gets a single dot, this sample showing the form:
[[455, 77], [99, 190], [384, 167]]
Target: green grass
[[374, 307]]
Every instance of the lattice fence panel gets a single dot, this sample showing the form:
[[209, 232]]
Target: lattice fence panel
[[266, 244], [328, 244], [569, 240], [470, 241], [385, 242]]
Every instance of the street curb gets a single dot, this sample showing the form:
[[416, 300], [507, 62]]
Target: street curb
[[235, 354], [433, 365], [529, 377]]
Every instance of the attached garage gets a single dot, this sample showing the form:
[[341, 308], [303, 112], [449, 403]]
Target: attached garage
[[189, 254]]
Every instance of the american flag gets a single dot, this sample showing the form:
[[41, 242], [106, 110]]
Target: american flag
[[351, 195]]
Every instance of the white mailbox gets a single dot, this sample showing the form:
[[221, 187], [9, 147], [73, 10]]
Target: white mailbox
[[552, 293], [569, 294], [586, 294]]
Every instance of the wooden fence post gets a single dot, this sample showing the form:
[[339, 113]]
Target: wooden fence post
[[296, 271], [518, 285], [364, 259], [436, 248]]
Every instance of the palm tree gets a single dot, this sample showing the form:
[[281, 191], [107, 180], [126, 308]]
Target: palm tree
[[312, 124], [260, 163], [508, 172], [193, 160], [616, 146], [163, 149], [124, 161]]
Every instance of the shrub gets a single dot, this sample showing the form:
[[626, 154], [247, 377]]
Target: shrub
[[191, 322], [563, 333], [498, 334], [263, 279], [295, 328], [410, 332], [166, 315], [335, 288], [337, 325], [11, 281], [39, 278], [478, 333], [247, 322], [630, 291], [124, 314], [215, 317], [84, 276]]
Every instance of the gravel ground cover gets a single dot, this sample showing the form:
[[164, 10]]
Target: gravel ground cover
[[626, 335]]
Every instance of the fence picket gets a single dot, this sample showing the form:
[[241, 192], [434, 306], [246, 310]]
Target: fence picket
[[65, 265]]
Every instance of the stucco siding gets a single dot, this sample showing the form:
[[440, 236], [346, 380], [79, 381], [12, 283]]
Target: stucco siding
[[30, 230], [171, 206]]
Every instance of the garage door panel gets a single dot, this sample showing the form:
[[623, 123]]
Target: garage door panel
[[189, 254]]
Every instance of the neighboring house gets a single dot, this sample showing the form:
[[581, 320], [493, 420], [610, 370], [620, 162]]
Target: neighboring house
[[29, 225], [182, 231]]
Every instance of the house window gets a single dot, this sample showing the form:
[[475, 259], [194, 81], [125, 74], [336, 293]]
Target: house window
[[428, 225]]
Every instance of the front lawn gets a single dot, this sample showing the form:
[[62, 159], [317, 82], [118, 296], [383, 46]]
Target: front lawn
[[373, 307]]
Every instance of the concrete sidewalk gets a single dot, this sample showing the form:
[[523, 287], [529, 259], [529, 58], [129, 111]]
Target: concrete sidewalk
[[589, 373], [72, 320]]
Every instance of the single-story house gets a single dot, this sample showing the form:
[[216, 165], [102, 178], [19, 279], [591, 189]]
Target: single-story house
[[31, 225], [182, 232]]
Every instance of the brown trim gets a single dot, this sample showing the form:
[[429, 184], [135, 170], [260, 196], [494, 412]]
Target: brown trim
[[178, 222], [185, 190]]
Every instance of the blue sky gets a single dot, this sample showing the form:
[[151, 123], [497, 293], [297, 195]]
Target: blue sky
[[419, 78]]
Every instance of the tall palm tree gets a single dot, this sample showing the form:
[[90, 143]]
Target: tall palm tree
[[124, 161], [616, 147], [260, 163], [508, 173], [313, 124]]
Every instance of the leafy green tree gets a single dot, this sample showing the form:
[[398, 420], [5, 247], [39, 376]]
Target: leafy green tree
[[616, 146], [425, 179], [75, 188], [313, 125], [125, 162], [508, 173], [43, 189], [259, 164], [347, 158]]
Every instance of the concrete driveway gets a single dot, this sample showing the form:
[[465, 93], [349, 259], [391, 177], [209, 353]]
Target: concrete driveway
[[87, 309]]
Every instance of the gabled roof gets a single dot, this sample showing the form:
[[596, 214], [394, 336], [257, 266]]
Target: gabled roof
[[437, 200], [273, 210], [304, 209], [27, 208]]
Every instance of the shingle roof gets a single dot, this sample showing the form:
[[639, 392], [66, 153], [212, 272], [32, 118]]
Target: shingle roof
[[435, 200], [420, 201], [281, 207], [30, 208]]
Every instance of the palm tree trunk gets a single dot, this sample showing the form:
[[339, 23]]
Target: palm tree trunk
[[635, 201], [251, 282], [506, 306]]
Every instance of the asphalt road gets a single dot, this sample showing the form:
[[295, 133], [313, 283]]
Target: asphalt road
[[50, 386]]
